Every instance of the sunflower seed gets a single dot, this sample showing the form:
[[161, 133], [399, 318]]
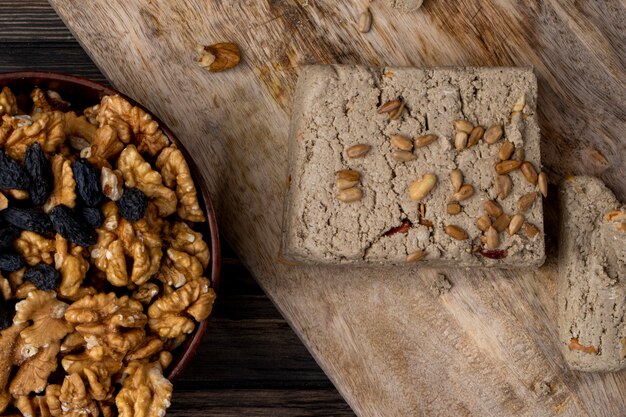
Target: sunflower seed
[[456, 177], [456, 232], [365, 21], [425, 140], [542, 179], [502, 222], [465, 192], [453, 208], [460, 140], [401, 142], [475, 135], [516, 223], [531, 230], [503, 186], [529, 172], [416, 256], [505, 167], [493, 134], [420, 188], [403, 156], [519, 104], [395, 114], [347, 178], [463, 126], [358, 151], [483, 223], [492, 238], [349, 195], [526, 201], [344, 184], [348, 174], [493, 208], [506, 150], [390, 106]]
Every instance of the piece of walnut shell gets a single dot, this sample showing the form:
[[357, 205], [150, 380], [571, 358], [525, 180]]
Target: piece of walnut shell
[[34, 248], [46, 314], [132, 123], [138, 173], [170, 315], [145, 391], [176, 175], [106, 320], [64, 190]]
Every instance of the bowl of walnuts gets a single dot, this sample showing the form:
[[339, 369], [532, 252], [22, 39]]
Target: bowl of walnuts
[[109, 251]]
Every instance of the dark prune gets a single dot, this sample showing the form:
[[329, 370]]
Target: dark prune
[[39, 173], [93, 216], [10, 261], [133, 204], [6, 315], [72, 226], [8, 234], [87, 183], [27, 219], [12, 176], [44, 277]]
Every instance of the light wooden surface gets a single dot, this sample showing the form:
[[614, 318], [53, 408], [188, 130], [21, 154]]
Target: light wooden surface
[[388, 344]]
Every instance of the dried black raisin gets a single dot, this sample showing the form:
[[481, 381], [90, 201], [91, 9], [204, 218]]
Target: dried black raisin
[[44, 277], [10, 261], [39, 173], [27, 219], [87, 180], [6, 315], [12, 176], [8, 234], [133, 204], [93, 216], [72, 226]]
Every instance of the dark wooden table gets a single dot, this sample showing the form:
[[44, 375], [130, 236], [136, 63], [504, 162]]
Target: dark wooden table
[[251, 363]]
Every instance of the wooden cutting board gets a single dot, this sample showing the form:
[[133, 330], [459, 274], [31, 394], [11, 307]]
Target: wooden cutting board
[[391, 347]]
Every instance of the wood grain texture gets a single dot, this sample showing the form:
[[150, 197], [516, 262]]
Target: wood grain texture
[[250, 361], [389, 345]]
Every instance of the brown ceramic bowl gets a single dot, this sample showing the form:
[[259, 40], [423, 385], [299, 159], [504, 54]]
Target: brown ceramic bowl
[[82, 93]]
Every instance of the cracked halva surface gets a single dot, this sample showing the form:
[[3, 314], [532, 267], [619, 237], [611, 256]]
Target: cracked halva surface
[[335, 107], [592, 276]]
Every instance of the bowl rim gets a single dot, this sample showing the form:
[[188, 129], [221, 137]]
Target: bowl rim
[[192, 343]]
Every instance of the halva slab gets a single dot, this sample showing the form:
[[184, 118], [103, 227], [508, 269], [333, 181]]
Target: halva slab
[[432, 166]]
